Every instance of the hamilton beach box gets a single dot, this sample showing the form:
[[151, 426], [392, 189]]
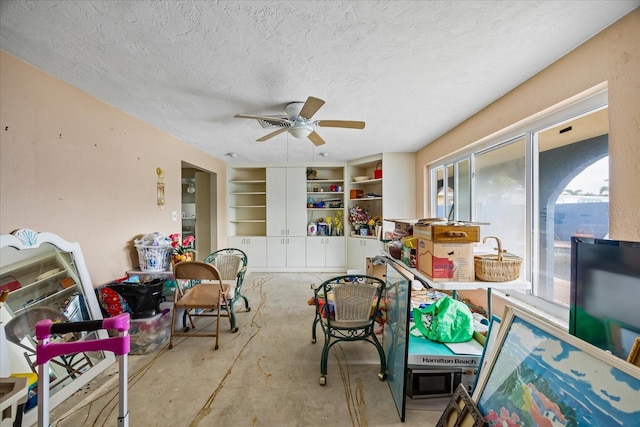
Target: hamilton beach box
[[445, 252]]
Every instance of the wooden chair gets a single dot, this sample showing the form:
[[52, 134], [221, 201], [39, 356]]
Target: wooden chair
[[204, 296], [232, 265], [346, 308]]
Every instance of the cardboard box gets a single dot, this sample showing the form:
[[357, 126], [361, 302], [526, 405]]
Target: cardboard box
[[379, 271], [356, 194], [446, 261], [448, 233]]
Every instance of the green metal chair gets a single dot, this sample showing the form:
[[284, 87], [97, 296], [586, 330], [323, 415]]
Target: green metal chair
[[232, 265], [346, 308]]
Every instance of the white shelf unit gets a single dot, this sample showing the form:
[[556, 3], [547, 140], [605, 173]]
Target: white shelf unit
[[371, 189], [392, 196], [247, 202], [325, 194]]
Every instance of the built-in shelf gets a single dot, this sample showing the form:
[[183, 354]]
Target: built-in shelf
[[247, 201]]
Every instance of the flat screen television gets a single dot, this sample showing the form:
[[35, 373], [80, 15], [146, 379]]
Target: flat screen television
[[605, 293]]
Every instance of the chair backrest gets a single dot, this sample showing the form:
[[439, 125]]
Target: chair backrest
[[354, 299], [228, 261], [195, 270]]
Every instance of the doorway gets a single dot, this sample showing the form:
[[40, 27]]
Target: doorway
[[199, 210]]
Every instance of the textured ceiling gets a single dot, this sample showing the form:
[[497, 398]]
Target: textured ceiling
[[411, 70]]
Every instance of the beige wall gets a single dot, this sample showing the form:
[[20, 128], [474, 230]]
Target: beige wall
[[612, 56], [77, 167], [610, 59]]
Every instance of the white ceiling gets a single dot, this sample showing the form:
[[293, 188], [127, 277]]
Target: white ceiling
[[411, 70]]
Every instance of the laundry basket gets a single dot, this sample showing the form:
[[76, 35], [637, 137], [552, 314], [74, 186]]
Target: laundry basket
[[154, 258]]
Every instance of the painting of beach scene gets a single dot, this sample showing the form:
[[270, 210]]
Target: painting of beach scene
[[539, 375]]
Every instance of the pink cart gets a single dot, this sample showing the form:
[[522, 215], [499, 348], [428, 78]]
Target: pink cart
[[46, 351]]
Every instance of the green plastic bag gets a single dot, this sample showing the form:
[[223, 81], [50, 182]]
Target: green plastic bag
[[451, 321]]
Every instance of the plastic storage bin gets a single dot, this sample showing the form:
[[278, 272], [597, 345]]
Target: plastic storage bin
[[147, 335]]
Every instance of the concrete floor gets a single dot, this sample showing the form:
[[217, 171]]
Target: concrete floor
[[266, 374]]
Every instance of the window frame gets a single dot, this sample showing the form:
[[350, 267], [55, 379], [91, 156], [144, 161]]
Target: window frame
[[588, 102]]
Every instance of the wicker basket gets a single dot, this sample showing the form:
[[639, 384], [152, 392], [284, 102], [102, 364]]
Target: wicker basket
[[501, 267], [154, 258]]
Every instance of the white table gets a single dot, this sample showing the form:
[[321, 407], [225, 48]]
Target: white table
[[461, 286]]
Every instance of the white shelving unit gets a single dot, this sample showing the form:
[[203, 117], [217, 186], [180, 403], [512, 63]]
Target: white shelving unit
[[325, 194], [247, 202], [389, 196]]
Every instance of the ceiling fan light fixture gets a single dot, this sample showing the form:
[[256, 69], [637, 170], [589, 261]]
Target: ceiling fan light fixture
[[300, 131], [192, 187]]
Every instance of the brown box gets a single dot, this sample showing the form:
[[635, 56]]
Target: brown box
[[379, 271], [356, 194], [446, 261], [448, 233]]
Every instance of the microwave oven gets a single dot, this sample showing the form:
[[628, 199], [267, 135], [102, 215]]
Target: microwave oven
[[428, 383]]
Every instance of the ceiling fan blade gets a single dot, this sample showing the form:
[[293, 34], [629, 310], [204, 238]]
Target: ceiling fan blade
[[316, 139], [271, 135], [270, 119], [310, 107], [340, 124]]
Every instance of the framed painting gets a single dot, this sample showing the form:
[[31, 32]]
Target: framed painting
[[540, 375], [489, 345], [634, 354], [461, 411]]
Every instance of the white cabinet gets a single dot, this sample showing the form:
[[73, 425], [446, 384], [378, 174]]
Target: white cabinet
[[326, 251], [254, 246], [286, 201], [359, 249], [286, 251]]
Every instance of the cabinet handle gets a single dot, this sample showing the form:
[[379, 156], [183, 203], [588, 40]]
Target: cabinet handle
[[282, 241], [287, 241]]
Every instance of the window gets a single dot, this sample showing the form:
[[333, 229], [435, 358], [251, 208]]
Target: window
[[536, 187]]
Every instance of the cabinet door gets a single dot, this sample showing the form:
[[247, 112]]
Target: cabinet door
[[316, 251], [296, 202], [286, 202], [334, 252], [276, 202], [276, 252], [254, 246], [359, 249], [370, 248], [286, 251], [355, 254], [296, 251]]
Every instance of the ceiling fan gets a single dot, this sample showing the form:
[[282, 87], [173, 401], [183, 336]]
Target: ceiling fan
[[298, 121]]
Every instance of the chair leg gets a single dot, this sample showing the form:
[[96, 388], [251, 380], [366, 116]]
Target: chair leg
[[323, 361], [232, 318], [246, 302], [313, 328], [173, 325], [218, 322], [382, 375]]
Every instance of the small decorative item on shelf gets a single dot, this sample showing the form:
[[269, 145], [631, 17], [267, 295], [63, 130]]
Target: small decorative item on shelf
[[182, 251], [358, 217], [311, 173], [312, 229], [337, 224]]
